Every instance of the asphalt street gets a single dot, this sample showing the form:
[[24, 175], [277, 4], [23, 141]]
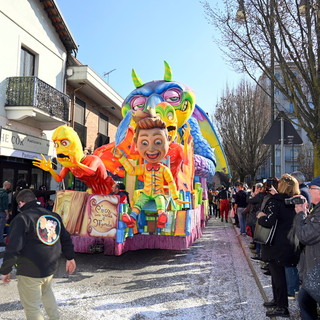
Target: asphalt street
[[213, 279]]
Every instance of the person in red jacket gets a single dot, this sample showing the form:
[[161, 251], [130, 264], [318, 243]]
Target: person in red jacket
[[224, 203]]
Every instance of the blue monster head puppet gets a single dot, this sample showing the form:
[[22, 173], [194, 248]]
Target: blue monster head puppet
[[149, 95]]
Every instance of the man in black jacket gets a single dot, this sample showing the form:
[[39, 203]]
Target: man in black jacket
[[37, 238], [307, 230], [240, 199]]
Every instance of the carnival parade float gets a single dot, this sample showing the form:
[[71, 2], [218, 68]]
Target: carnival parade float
[[165, 150]]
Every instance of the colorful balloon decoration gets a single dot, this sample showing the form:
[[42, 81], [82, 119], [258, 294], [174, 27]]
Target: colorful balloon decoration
[[165, 149]]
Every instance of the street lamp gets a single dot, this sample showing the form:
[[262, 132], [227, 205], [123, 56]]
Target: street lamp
[[240, 17]]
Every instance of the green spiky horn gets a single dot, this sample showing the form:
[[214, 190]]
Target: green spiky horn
[[136, 80], [167, 72]]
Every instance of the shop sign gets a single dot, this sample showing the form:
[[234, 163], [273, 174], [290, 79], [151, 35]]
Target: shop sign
[[22, 142]]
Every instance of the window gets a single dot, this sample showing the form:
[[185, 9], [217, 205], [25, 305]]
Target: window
[[82, 133], [80, 112], [80, 120], [294, 153], [27, 63], [102, 137], [103, 124]]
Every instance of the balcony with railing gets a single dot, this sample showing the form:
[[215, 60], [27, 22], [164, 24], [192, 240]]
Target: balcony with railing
[[33, 101]]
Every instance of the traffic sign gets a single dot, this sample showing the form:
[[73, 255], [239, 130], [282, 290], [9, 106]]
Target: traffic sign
[[290, 136]]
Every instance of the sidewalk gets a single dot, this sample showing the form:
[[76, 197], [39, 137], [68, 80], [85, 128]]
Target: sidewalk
[[263, 281], [213, 279]]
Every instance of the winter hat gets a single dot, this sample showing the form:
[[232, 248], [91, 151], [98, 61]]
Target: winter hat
[[22, 184], [315, 182]]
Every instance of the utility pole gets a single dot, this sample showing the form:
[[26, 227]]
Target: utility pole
[[273, 157]]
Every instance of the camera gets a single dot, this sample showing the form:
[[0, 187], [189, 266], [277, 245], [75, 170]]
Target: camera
[[271, 183], [294, 200]]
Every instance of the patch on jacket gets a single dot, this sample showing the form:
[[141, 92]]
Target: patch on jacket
[[48, 229]]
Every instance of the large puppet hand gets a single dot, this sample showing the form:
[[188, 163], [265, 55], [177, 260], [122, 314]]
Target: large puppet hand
[[186, 133], [186, 137], [180, 202], [117, 153], [43, 163]]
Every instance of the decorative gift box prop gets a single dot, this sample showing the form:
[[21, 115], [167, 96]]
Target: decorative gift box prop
[[71, 205], [147, 219], [88, 215], [123, 232], [186, 227]]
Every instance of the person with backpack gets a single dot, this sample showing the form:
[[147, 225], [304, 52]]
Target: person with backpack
[[4, 209]]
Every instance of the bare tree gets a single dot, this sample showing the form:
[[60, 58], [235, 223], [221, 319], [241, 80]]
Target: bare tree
[[305, 161], [242, 119], [261, 34]]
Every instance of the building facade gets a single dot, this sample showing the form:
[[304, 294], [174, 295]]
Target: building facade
[[42, 86], [95, 110]]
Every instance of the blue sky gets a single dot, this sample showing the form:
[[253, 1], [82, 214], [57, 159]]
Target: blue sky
[[141, 34]]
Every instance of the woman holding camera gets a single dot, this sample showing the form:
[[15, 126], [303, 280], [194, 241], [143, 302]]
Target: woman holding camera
[[283, 252]]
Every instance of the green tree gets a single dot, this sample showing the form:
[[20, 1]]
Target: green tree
[[257, 35]]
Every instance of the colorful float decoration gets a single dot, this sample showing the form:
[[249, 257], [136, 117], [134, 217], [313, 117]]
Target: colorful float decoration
[[165, 150]]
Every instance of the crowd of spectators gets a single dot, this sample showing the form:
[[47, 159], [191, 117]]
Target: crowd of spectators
[[294, 252]]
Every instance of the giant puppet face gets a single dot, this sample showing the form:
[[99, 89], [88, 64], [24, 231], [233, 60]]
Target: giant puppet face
[[152, 140], [68, 146], [150, 94]]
